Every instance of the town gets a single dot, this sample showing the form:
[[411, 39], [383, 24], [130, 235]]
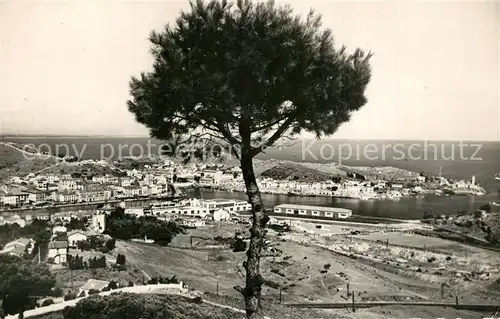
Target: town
[[101, 181]]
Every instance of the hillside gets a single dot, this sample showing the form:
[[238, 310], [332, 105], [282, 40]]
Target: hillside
[[296, 172], [133, 306], [485, 228], [14, 161]]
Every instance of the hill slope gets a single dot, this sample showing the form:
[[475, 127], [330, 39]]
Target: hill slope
[[132, 306], [15, 161], [296, 172]]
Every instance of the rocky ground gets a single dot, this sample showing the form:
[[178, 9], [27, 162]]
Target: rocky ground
[[313, 268]]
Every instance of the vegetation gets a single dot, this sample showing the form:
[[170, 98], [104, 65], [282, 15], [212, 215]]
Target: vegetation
[[76, 262], [20, 281], [77, 223], [121, 262], [38, 230], [296, 172], [131, 306], [163, 280], [238, 245], [97, 243], [125, 227], [247, 75]]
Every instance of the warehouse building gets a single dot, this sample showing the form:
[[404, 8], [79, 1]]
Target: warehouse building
[[312, 211]]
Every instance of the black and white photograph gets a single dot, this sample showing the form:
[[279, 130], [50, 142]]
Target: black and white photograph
[[249, 159]]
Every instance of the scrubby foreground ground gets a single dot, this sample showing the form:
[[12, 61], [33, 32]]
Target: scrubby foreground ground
[[313, 268], [131, 306]]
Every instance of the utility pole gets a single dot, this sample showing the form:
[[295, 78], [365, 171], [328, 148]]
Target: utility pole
[[353, 308]]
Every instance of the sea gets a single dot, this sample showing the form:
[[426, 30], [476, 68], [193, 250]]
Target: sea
[[459, 160]]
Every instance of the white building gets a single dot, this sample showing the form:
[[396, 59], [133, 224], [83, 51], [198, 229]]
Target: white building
[[306, 211], [98, 222], [59, 229], [137, 212], [58, 251], [75, 236], [228, 204], [222, 215], [19, 246], [93, 284]]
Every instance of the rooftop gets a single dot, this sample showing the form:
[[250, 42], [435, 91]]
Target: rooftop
[[58, 244], [95, 284], [318, 208]]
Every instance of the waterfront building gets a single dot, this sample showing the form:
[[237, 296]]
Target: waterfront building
[[312, 211], [37, 197], [15, 197], [137, 212], [230, 204], [96, 195], [66, 197], [221, 215]]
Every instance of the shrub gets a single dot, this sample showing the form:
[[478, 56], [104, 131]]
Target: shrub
[[112, 285], [56, 292], [47, 302], [238, 245], [93, 291], [70, 296], [327, 266]]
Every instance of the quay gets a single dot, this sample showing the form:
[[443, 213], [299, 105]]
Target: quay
[[130, 203]]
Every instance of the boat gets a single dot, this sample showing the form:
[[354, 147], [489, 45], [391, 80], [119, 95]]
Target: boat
[[497, 176], [494, 204]]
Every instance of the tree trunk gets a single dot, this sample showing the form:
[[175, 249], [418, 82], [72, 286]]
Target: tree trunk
[[252, 290]]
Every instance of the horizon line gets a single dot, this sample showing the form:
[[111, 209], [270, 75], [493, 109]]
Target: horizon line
[[33, 136]]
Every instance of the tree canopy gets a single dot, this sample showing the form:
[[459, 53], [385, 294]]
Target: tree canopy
[[247, 73], [20, 281]]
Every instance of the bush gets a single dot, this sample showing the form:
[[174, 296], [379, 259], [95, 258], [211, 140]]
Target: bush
[[47, 302], [70, 296], [56, 292], [82, 294], [238, 245], [113, 285], [93, 291], [327, 266], [130, 284]]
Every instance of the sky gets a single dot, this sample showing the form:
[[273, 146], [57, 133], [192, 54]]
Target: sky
[[66, 65]]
